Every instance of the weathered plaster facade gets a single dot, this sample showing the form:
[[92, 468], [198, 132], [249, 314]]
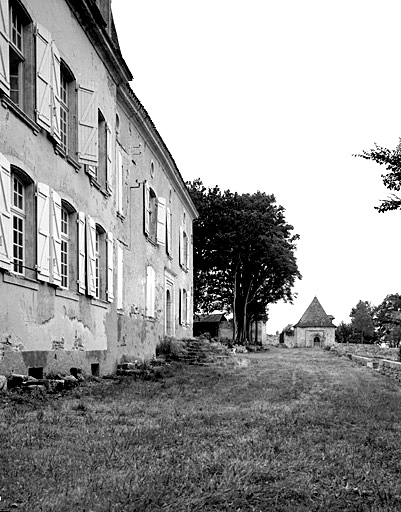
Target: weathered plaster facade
[[95, 218]]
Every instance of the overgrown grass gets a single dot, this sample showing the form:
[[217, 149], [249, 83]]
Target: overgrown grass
[[295, 430]]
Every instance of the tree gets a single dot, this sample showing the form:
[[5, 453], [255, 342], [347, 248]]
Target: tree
[[387, 320], [391, 159], [243, 254], [362, 320]]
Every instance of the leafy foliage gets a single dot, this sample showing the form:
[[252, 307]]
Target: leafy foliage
[[243, 254], [362, 320], [387, 319], [391, 159]]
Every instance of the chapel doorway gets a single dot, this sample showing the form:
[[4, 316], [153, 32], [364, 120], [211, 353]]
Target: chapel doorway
[[316, 341]]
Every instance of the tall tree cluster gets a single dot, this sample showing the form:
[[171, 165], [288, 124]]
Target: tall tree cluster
[[243, 255], [372, 324]]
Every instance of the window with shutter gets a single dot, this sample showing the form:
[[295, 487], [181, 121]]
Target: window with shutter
[[43, 78], [5, 213], [87, 124], [91, 256], [110, 267], [55, 254], [55, 93], [146, 220], [43, 232], [169, 239], [109, 160], [161, 221], [81, 252], [4, 47]]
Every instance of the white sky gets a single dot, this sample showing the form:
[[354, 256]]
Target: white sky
[[276, 96]]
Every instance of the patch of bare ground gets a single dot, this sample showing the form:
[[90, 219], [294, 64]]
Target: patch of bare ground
[[293, 430]]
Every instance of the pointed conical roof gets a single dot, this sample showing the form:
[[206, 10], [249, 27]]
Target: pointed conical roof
[[315, 316]]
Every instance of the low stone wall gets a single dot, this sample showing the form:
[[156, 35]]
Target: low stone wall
[[375, 351], [374, 361], [391, 369]]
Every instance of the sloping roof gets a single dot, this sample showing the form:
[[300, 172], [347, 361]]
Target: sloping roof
[[315, 316], [213, 318]]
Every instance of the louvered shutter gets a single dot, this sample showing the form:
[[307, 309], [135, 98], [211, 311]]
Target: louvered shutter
[[43, 232], [181, 248], [43, 78], [110, 267], [87, 125], [56, 238], [169, 232], [180, 301], [161, 221], [91, 256], [109, 160], [55, 92], [146, 199], [120, 282], [4, 47], [81, 252], [5, 214]]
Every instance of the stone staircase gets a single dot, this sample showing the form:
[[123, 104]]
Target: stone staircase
[[205, 353]]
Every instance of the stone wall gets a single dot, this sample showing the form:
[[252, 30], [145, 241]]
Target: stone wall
[[373, 357]]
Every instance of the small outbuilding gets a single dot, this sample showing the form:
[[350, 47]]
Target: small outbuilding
[[314, 329], [215, 324]]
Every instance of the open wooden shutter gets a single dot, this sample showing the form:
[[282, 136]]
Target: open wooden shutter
[[110, 267], [120, 282], [56, 238], [43, 232], [180, 301], [81, 252], [161, 221], [109, 160], [4, 47], [169, 232], [43, 78], [181, 248], [187, 241], [91, 256], [119, 185], [87, 125], [150, 291], [188, 308], [55, 92], [146, 199], [5, 214]]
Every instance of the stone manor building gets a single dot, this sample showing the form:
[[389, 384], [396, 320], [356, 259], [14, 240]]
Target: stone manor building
[[95, 218]]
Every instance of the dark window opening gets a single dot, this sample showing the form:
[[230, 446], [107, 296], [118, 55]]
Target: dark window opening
[[36, 372]]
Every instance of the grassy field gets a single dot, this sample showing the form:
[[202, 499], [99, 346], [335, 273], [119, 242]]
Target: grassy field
[[294, 430]]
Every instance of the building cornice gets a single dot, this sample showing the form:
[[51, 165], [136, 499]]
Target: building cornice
[[128, 98], [92, 22]]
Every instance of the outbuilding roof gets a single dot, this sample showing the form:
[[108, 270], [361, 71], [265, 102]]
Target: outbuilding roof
[[315, 316]]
